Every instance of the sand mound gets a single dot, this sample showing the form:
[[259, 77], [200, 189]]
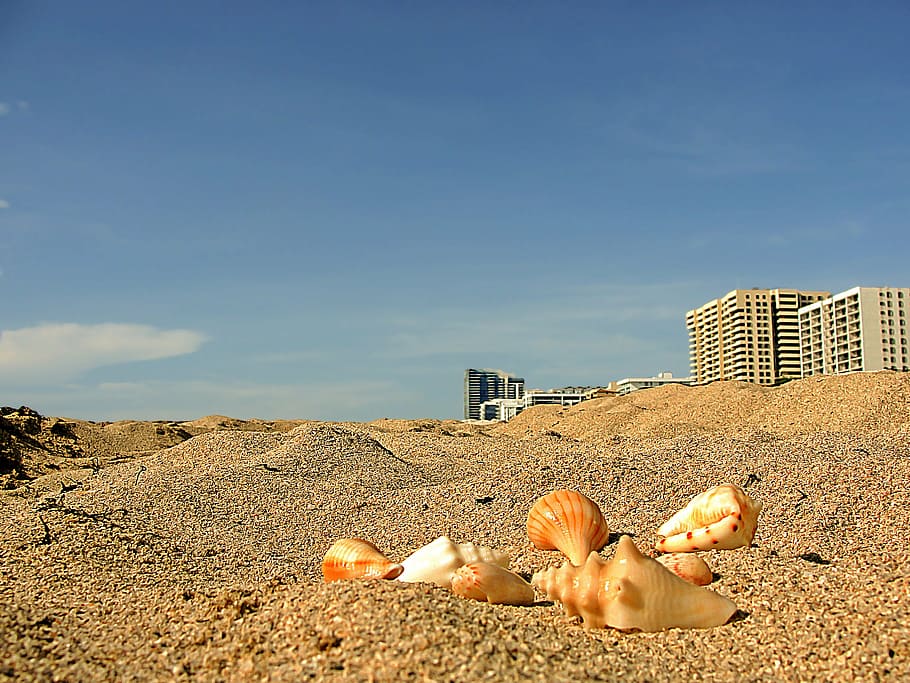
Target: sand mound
[[444, 427], [203, 561], [862, 401], [215, 422], [32, 445]]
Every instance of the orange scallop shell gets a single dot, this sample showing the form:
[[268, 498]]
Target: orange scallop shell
[[355, 558], [568, 521]]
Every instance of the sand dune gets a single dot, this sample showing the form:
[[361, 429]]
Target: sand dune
[[200, 559]]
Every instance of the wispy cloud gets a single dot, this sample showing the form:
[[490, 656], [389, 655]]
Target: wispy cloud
[[57, 351], [290, 357], [188, 399], [20, 105], [583, 321], [716, 136], [4, 204], [844, 231]]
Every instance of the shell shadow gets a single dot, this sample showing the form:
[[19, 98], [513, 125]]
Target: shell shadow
[[616, 535], [739, 615], [814, 558]]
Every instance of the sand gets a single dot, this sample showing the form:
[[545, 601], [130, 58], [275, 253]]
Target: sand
[[200, 558]]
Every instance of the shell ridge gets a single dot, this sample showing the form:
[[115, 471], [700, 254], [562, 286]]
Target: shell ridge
[[631, 591]]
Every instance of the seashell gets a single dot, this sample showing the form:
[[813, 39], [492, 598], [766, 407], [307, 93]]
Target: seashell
[[491, 583], [568, 521], [437, 561], [723, 517], [355, 558], [632, 592], [688, 567]]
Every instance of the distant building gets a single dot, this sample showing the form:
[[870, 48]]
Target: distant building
[[501, 409], [559, 397], [749, 334], [630, 384], [486, 385], [504, 409], [861, 329]]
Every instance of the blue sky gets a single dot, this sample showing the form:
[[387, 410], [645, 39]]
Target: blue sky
[[330, 210]]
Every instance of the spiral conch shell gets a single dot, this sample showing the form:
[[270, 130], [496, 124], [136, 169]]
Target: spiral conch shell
[[491, 583], [723, 517], [689, 567], [568, 521], [437, 561], [355, 558], [632, 592]]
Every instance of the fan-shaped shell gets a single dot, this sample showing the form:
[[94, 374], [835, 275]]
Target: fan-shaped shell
[[491, 583], [356, 558], [632, 592], [723, 518], [689, 567], [437, 561], [568, 521]]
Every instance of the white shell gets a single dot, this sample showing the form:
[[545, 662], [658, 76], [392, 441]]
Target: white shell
[[632, 592], [437, 561], [721, 518]]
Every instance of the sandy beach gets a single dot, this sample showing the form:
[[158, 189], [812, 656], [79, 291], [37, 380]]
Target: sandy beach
[[142, 551]]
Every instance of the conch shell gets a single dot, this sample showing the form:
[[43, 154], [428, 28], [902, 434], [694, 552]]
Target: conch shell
[[632, 592], [437, 561], [491, 583], [355, 558], [688, 567], [568, 521], [723, 517]]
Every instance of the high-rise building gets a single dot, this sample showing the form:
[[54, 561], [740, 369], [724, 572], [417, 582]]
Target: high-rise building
[[750, 335], [861, 329], [485, 385]]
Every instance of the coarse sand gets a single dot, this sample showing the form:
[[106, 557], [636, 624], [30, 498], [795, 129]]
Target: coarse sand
[[192, 551]]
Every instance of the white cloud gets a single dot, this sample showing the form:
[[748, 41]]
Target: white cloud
[[4, 108], [4, 204], [56, 351]]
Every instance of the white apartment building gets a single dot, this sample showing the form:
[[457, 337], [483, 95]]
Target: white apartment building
[[630, 384], [861, 329], [501, 409], [750, 335], [504, 409]]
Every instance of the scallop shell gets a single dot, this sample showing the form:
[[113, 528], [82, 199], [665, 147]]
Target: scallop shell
[[723, 517], [688, 567], [355, 558], [437, 561], [632, 592], [568, 521], [491, 583]]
